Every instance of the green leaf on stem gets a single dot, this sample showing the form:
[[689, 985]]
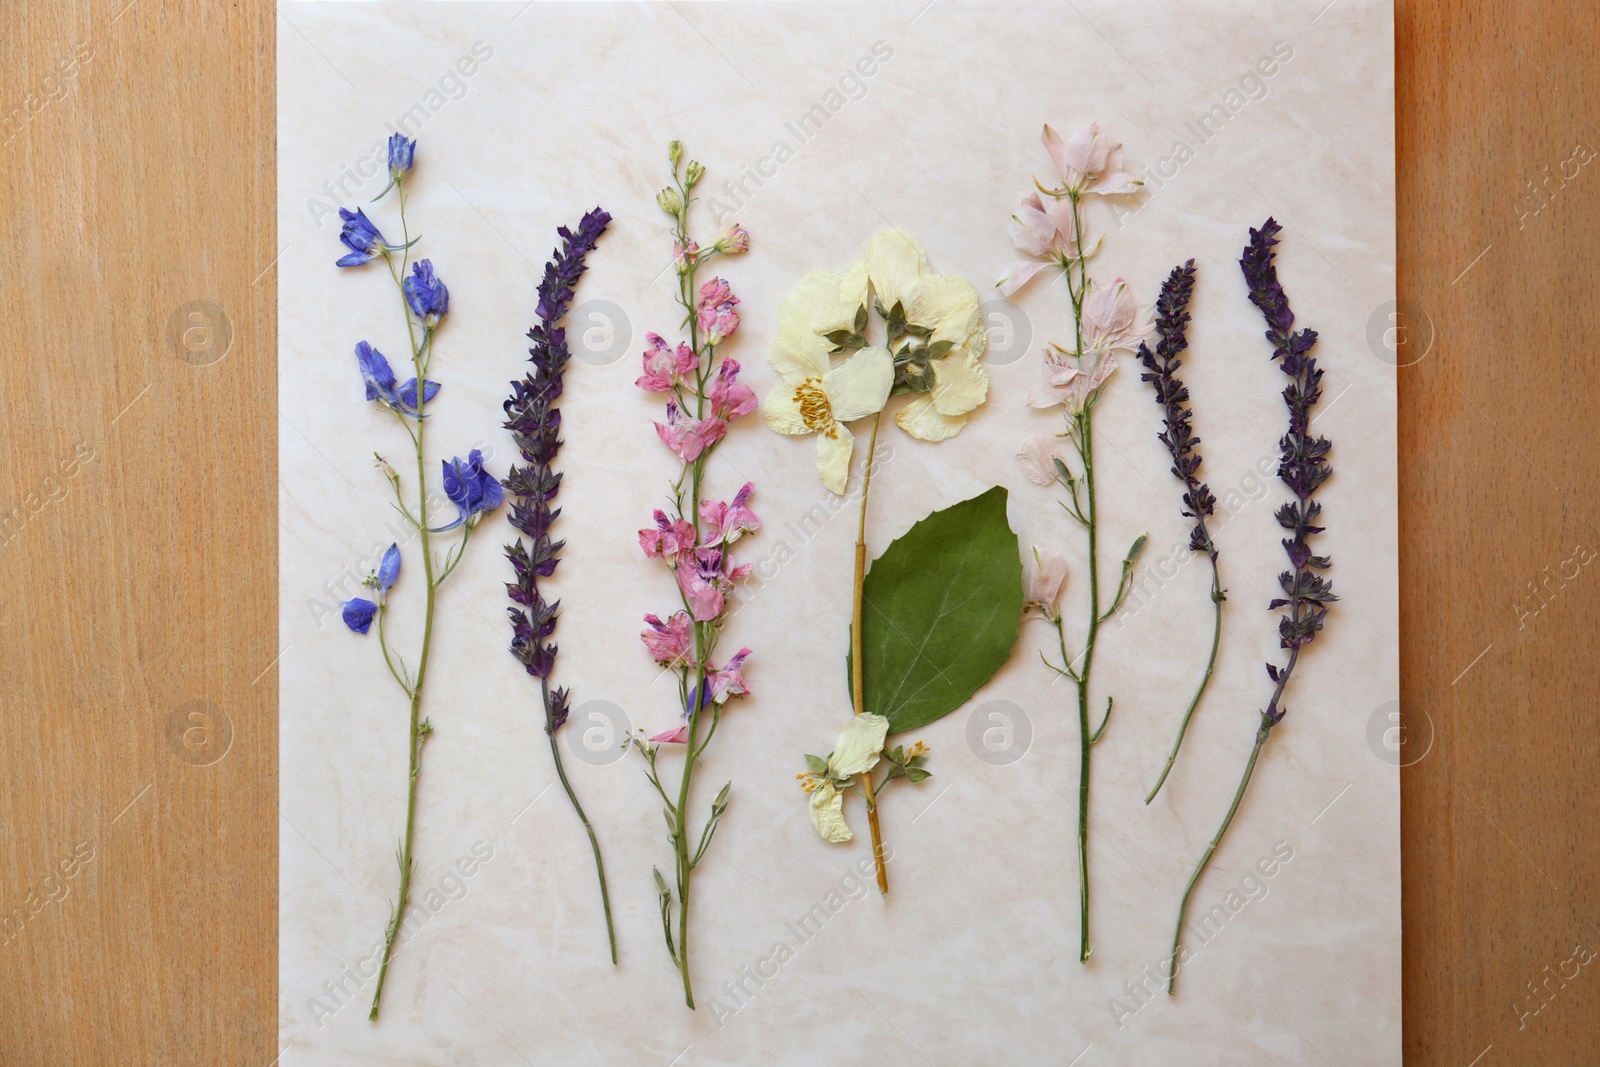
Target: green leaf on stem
[[940, 610]]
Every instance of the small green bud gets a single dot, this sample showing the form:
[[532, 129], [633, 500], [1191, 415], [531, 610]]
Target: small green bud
[[692, 174], [674, 152], [670, 202]]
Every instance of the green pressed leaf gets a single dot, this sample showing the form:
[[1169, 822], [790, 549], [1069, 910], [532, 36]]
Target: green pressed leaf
[[939, 612], [817, 764]]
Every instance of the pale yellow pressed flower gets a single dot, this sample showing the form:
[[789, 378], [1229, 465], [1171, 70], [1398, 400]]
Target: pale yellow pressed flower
[[857, 751], [815, 396], [946, 305], [819, 397]]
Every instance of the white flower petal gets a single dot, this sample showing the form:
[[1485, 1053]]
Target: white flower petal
[[860, 385], [959, 384], [1038, 458], [799, 353], [781, 409], [859, 746], [921, 420], [827, 814], [1032, 232], [833, 458], [947, 305], [819, 304], [1118, 184], [894, 262], [1019, 274]]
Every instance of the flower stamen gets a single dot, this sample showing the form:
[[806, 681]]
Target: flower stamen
[[815, 411]]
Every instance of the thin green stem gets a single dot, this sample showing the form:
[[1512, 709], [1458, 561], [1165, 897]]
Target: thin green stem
[[1188, 890], [420, 728], [594, 842], [1086, 738], [704, 636], [1205, 680]]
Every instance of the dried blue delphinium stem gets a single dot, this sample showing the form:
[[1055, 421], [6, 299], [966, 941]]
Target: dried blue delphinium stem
[[535, 425], [1161, 370], [424, 303], [1303, 467]]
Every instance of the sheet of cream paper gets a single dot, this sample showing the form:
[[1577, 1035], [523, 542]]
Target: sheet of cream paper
[[819, 126]]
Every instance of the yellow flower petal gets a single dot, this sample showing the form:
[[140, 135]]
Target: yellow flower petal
[[860, 385], [921, 420], [895, 262], [859, 746], [827, 814], [833, 458], [959, 384], [781, 409]]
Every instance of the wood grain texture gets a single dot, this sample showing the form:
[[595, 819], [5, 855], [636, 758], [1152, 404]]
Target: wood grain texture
[[136, 173], [138, 821], [1497, 486]]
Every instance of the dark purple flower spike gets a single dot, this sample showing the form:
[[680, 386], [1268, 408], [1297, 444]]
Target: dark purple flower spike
[[1161, 370], [535, 425]]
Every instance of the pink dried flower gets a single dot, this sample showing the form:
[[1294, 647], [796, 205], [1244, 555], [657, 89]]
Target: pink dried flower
[[728, 680], [687, 436], [1110, 319], [714, 311], [1042, 591], [729, 398], [1045, 231], [1089, 164], [1038, 457], [1067, 384], [670, 642], [665, 368], [706, 580], [670, 538], [734, 239], [729, 521]]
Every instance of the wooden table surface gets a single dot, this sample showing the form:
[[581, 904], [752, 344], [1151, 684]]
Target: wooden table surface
[[138, 533]]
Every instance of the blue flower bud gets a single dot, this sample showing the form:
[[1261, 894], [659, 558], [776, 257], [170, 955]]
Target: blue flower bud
[[426, 294], [401, 154], [389, 568]]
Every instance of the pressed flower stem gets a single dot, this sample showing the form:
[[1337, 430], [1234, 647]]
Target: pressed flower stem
[[704, 634], [1081, 433], [1085, 738], [1188, 890], [857, 673], [1205, 680], [594, 842], [420, 728]]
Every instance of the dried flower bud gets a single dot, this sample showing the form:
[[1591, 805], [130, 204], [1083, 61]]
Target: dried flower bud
[[674, 152], [670, 201], [734, 239], [692, 174]]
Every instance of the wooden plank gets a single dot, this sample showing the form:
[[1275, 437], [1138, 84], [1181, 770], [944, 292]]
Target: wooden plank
[[1497, 484], [139, 472]]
